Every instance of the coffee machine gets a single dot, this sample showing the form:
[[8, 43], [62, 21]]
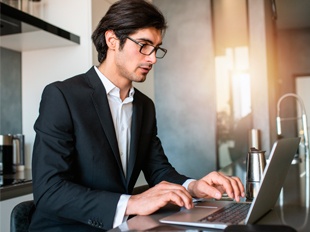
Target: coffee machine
[[12, 156]]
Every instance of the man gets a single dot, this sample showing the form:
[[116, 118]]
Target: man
[[96, 133]]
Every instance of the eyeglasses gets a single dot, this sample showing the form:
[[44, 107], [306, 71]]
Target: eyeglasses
[[147, 49]]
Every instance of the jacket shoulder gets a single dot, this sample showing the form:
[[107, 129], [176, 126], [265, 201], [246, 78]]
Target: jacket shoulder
[[87, 79]]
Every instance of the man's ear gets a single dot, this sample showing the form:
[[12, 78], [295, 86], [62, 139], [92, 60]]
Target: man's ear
[[111, 39]]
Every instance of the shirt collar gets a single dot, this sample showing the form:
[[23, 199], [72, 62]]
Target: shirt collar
[[109, 86]]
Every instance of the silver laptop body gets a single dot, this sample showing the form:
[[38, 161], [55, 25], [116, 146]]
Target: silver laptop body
[[280, 159]]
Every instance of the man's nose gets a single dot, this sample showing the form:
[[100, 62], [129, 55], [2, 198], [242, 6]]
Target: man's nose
[[152, 57]]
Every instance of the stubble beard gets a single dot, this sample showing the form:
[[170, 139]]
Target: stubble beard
[[133, 76]]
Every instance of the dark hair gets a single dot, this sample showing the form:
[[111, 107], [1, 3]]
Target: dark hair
[[125, 17]]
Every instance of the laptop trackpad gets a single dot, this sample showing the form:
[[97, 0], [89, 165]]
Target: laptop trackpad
[[200, 211]]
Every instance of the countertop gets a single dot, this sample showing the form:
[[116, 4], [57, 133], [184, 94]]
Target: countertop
[[15, 185]]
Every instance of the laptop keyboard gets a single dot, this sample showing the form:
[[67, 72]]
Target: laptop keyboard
[[233, 213]]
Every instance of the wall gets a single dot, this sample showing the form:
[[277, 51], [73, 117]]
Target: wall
[[293, 52], [99, 8], [185, 87], [41, 67], [10, 92], [262, 70], [293, 56]]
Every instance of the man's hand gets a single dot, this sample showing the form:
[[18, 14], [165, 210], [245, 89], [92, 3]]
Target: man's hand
[[157, 197], [215, 184]]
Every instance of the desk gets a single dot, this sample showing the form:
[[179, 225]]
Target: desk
[[292, 207]]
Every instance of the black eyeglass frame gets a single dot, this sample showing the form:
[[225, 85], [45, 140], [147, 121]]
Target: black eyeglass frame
[[154, 48]]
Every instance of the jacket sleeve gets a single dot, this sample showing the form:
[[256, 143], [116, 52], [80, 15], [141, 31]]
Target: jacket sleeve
[[56, 191]]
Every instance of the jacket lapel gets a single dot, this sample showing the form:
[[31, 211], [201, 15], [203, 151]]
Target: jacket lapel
[[135, 134], [101, 104]]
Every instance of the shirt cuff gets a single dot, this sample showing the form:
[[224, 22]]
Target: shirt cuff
[[120, 210], [187, 182]]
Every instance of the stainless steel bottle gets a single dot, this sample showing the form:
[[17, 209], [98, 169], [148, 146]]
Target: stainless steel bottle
[[256, 163], [19, 158]]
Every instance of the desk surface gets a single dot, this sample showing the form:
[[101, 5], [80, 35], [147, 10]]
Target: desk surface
[[292, 207]]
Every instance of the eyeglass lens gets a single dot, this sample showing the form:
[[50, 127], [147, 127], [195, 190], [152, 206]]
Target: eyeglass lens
[[147, 49]]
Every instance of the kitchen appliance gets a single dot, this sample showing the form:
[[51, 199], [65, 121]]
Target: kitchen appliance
[[12, 157], [256, 163]]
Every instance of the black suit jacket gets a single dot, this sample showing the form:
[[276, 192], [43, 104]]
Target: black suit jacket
[[77, 172]]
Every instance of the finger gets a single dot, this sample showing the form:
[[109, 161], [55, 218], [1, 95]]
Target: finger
[[156, 198], [222, 181], [179, 198], [208, 190], [175, 193], [237, 187], [229, 184], [233, 186], [240, 186], [167, 186]]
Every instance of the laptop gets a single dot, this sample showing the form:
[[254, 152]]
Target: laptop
[[204, 213]]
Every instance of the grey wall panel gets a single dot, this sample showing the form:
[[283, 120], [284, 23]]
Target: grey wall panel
[[10, 92], [185, 87]]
